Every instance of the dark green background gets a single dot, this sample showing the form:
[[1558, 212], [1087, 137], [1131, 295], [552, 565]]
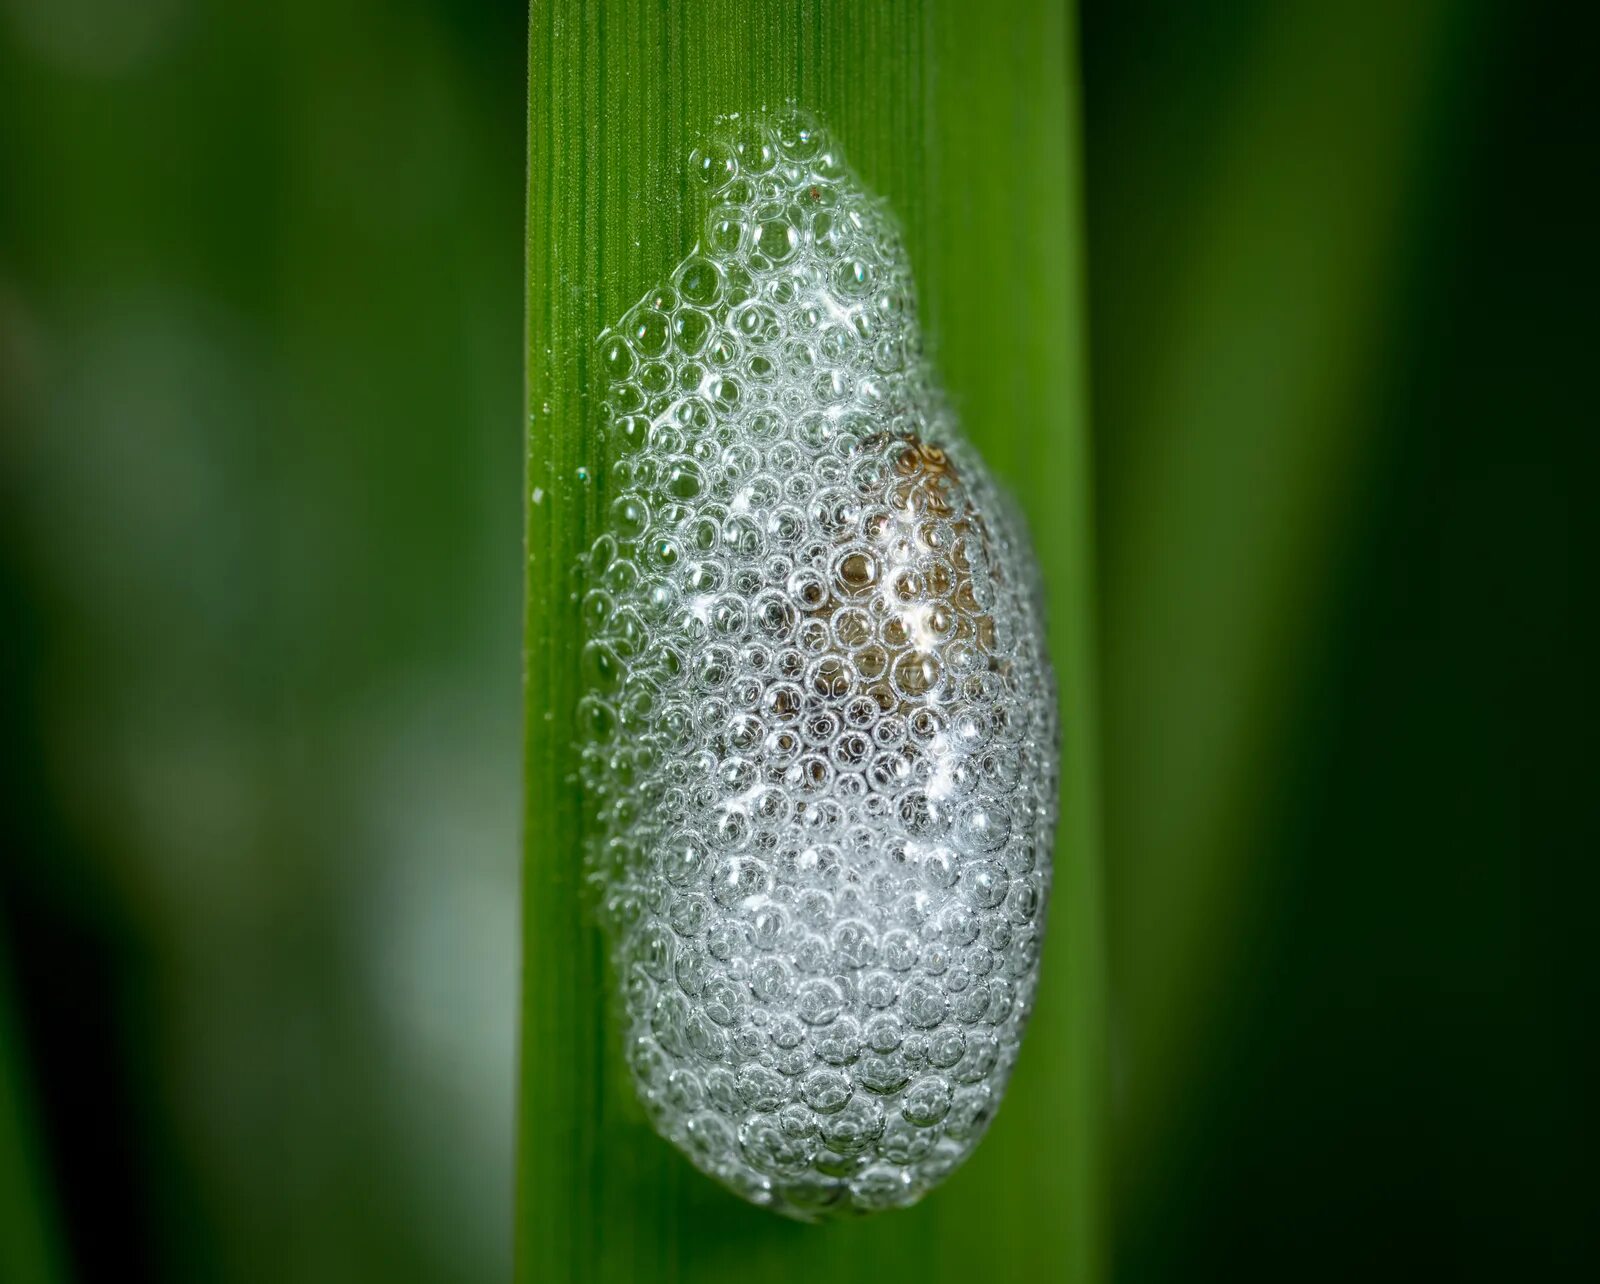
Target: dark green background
[[260, 460]]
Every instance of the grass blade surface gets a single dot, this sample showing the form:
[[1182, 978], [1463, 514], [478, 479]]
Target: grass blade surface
[[964, 118]]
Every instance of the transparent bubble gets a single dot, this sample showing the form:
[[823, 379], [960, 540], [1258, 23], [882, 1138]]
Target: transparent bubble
[[691, 329], [798, 133], [699, 281], [819, 727], [617, 357], [777, 236], [650, 332], [756, 144], [714, 163]]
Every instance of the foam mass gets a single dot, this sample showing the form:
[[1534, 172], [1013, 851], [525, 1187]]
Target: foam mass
[[820, 727]]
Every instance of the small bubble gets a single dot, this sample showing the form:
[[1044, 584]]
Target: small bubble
[[650, 331], [726, 231], [926, 1102], [617, 357], [777, 237], [798, 133], [757, 147], [690, 329], [630, 516], [714, 163], [699, 280]]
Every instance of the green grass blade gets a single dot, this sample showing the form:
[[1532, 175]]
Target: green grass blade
[[964, 118]]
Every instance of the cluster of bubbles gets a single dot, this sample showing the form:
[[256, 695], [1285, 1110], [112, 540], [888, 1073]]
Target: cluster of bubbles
[[819, 720]]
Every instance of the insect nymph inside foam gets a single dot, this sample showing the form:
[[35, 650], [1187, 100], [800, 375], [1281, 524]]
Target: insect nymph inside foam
[[820, 721]]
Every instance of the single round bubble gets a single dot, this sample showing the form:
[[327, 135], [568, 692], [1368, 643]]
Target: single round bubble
[[820, 720]]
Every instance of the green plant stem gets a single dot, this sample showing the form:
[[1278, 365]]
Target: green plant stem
[[964, 118]]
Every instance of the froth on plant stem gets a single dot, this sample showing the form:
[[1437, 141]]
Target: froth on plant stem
[[819, 720]]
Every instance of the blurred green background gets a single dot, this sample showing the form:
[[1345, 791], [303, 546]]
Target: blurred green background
[[260, 461]]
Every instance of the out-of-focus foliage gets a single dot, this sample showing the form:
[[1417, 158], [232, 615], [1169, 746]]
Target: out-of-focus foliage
[[1342, 467], [30, 1250], [260, 466], [1242, 354], [260, 299]]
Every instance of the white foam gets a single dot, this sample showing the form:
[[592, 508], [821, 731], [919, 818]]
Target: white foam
[[821, 730]]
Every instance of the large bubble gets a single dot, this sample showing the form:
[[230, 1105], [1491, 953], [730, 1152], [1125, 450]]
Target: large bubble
[[820, 720]]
